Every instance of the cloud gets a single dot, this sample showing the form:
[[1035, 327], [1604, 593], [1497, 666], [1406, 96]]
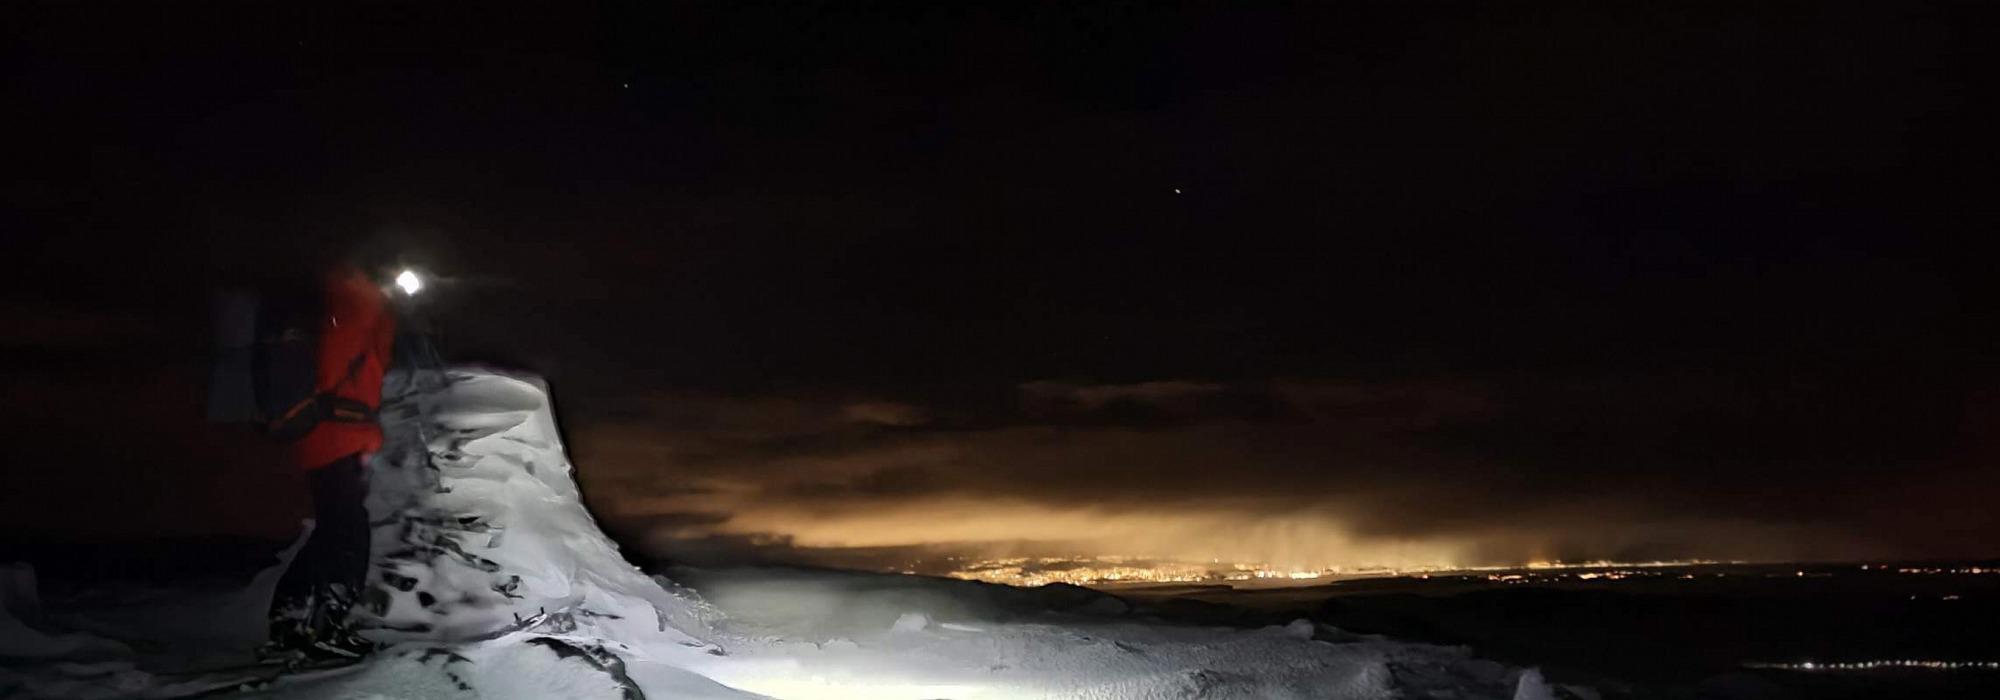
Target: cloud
[[1307, 472], [887, 413], [71, 329], [674, 524], [1099, 395], [1157, 404]]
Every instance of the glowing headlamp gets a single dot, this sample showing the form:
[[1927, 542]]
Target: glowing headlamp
[[409, 282]]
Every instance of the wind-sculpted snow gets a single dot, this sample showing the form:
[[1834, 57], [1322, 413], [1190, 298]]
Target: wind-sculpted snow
[[827, 634], [492, 580], [480, 528]]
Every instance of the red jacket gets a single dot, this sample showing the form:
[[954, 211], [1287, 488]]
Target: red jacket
[[358, 322]]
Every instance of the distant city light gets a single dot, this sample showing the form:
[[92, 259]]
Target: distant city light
[[1927, 664], [1040, 571], [1114, 569]]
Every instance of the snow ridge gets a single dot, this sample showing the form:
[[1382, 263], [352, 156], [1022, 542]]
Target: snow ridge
[[492, 580]]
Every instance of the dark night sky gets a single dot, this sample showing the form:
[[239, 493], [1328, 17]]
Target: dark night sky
[[1330, 284]]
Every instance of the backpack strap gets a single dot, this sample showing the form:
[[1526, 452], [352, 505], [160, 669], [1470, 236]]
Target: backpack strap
[[324, 405], [341, 409], [353, 368]]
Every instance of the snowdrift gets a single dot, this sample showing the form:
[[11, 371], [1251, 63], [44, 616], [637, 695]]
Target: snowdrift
[[480, 530], [492, 580]]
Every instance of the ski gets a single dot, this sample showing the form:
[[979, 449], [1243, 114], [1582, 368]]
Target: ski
[[253, 677]]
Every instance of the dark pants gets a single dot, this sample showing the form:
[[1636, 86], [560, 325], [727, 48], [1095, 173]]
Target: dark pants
[[323, 581]]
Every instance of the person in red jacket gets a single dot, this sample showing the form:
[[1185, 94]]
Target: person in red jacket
[[356, 334]]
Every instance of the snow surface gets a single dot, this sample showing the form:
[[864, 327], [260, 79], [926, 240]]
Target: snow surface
[[497, 583]]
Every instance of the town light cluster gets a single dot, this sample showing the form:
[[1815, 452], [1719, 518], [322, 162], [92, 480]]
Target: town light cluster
[[1037, 571], [1928, 664]]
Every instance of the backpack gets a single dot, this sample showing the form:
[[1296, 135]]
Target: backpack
[[280, 355], [284, 371]]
